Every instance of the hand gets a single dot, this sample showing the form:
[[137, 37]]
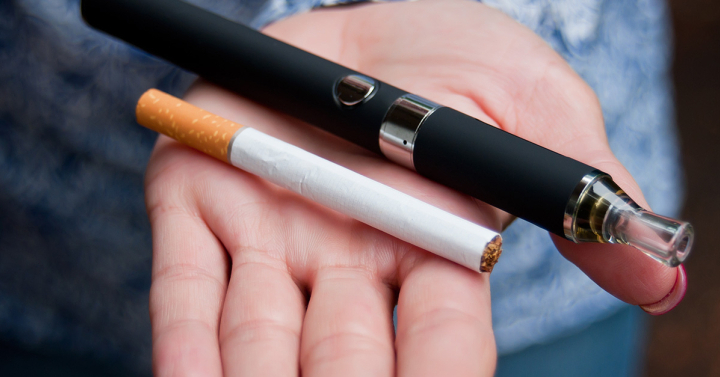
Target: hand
[[249, 279]]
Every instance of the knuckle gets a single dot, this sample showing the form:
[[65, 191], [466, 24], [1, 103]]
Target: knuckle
[[186, 272], [261, 330], [342, 345]]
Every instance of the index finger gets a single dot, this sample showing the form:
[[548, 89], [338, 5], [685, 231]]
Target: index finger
[[189, 276], [444, 324]]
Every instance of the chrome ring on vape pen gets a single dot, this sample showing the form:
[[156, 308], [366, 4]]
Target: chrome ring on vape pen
[[401, 125], [572, 205], [352, 90]]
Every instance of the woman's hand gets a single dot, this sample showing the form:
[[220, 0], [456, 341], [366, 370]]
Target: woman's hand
[[250, 279]]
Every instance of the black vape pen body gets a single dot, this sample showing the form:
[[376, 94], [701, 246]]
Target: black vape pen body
[[440, 143]]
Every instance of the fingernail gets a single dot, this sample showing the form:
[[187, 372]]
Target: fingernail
[[672, 299]]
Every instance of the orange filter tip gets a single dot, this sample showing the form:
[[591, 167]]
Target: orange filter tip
[[186, 123]]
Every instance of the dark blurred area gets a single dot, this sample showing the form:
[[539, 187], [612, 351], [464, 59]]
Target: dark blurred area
[[686, 341]]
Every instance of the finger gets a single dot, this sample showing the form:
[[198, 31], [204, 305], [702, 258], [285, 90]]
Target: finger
[[623, 271], [262, 318], [188, 281], [348, 325], [444, 323]]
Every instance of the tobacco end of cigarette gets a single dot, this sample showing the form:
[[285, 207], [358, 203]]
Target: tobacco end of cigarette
[[186, 123], [491, 254]]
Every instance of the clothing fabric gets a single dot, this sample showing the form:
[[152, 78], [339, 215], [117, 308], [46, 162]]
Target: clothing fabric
[[611, 347], [75, 248]]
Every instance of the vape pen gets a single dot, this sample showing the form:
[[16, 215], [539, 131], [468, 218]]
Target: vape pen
[[557, 193]]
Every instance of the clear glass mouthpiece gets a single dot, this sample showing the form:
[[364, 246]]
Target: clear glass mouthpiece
[[604, 213], [662, 238]]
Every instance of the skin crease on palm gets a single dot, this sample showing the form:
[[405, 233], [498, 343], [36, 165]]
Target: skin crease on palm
[[250, 279]]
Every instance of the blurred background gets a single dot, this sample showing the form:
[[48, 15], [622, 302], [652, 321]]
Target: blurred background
[[686, 341]]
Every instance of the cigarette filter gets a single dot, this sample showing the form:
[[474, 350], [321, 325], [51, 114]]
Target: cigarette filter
[[322, 181]]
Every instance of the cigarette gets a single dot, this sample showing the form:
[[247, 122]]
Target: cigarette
[[322, 181]]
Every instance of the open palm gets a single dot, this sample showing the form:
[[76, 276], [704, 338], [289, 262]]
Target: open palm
[[250, 279]]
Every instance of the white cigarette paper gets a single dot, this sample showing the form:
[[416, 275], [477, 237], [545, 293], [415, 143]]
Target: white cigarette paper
[[322, 181], [363, 199]]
